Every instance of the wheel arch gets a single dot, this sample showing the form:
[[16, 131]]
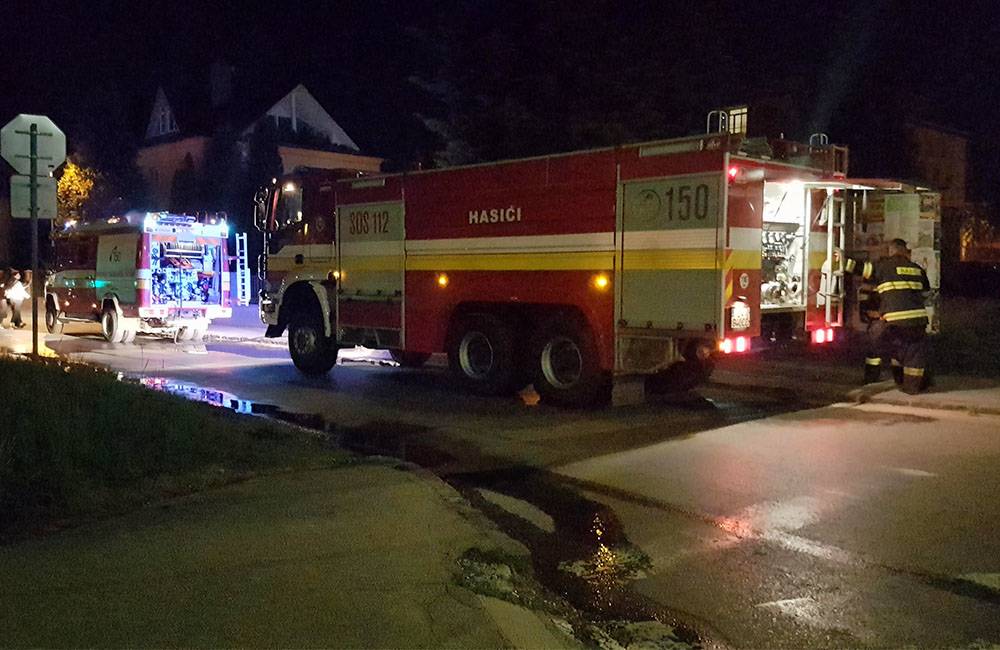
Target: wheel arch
[[306, 294]]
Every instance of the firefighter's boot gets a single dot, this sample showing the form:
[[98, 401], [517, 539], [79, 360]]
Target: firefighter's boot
[[913, 380], [897, 372], [873, 369]]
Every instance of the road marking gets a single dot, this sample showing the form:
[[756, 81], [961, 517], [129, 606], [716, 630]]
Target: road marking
[[774, 521], [988, 580], [808, 546], [907, 471], [804, 609]]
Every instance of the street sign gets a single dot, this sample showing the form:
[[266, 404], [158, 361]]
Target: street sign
[[20, 197], [34, 146], [15, 142]]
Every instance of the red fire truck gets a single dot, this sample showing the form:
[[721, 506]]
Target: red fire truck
[[564, 271], [152, 272]]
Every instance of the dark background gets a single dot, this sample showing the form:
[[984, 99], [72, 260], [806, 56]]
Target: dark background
[[585, 72], [431, 83]]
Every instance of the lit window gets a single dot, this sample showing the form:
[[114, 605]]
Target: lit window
[[738, 119]]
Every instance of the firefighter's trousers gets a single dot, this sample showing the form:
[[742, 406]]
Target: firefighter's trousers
[[903, 348]]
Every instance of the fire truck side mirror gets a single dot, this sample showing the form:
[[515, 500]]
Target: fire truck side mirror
[[260, 212]]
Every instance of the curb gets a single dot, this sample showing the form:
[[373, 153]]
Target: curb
[[971, 409], [872, 394]]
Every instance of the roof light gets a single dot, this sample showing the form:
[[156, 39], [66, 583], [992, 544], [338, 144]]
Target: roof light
[[289, 187]]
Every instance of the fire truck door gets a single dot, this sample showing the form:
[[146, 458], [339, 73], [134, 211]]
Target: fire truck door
[[116, 256], [370, 293], [670, 258]]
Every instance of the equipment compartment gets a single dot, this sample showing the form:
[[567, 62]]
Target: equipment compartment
[[783, 246], [185, 273]]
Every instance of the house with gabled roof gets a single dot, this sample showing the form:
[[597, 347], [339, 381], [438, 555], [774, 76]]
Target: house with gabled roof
[[183, 120]]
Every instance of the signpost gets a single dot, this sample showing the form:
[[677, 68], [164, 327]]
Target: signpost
[[33, 146]]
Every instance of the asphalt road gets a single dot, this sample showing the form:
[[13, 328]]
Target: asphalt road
[[733, 511]]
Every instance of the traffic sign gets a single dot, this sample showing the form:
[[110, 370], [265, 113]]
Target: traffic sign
[[15, 144], [20, 197]]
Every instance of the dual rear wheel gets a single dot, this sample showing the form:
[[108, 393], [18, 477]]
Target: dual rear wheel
[[116, 328], [560, 359]]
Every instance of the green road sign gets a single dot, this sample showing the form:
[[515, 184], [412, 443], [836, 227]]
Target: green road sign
[[20, 197], [15, 144]]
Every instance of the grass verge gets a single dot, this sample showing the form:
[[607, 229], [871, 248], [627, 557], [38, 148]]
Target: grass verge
[[76, 442], [969, 338]]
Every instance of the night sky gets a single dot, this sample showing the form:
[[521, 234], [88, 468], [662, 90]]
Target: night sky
[[842, 63]]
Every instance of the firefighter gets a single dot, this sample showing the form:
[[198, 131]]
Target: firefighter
[[900, 332]]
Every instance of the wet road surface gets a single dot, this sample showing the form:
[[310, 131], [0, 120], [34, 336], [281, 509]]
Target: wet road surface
[[731, 512]]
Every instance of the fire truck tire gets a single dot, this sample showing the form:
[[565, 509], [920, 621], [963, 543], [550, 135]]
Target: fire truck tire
[[112, 326], [565, 366], [681, 376], [409, 359], [198, 333], [481, 354], [131, 329], [52, 322], [312, 352]]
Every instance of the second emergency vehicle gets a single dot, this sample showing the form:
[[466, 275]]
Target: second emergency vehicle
[[142, 272]]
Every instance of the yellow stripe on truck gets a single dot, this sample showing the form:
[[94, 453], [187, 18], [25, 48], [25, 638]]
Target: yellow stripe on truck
[[511, 262], [743, 259]]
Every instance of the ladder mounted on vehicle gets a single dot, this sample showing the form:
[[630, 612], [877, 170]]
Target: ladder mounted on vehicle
[[242, 271]]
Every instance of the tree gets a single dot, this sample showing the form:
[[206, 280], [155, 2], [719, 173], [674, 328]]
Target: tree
[[74, 190], [105, 142]]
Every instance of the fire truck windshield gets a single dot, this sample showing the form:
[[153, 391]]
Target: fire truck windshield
[[288, 210], [287, 218]]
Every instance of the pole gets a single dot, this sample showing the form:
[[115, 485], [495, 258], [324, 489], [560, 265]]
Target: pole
[[33, 184]]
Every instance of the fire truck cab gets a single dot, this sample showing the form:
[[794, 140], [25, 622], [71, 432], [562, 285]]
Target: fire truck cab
[[154, 272]]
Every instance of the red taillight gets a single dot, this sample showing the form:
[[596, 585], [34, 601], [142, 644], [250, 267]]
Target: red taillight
[[733, 172], [739, 344], [819, 336], [829, 335]]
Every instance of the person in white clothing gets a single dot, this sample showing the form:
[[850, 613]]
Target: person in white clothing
[[15, 294]]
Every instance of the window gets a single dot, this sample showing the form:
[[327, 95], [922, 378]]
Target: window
[[166, 123], [738, 119]]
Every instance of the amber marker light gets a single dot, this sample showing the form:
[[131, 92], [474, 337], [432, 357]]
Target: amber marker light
[[442, 280], [601, 281]]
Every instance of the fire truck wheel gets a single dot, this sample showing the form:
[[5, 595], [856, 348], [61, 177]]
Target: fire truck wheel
[[111, 325], [481, 354], [409, 359], [565, 364], [130, 332], [312, 352], [52, 322]]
